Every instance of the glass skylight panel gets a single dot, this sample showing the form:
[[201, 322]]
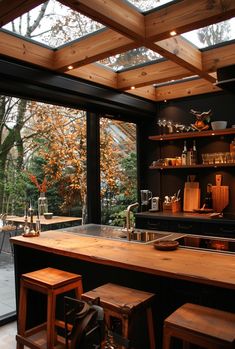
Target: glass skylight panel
[[53, 24], [213, 34], [130, 58], [146, 5]]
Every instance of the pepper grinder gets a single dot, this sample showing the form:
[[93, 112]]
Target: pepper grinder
[[31, 224], [26, 226], [38, 225]]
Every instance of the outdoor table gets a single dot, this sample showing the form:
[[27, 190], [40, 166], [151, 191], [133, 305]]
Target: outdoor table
[[56, 222]]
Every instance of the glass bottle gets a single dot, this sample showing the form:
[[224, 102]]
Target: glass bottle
[[42, 204], [232, 146], [208, 197], [184, 154], [194, 154]]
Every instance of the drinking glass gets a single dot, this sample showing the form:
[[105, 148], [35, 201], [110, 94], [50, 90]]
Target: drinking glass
[[164, 123], [211, 158], [170, 126]]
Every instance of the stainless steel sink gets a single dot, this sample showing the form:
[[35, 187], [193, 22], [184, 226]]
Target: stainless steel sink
[[116, 233]]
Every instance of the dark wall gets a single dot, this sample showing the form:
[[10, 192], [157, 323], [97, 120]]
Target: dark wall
[[163, 183]]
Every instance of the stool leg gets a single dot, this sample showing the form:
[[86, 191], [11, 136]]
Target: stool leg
[[125, 329], [151, 328], [22, 313], [51, 333], [22, 309], [79, 290], [166, 338], [107, 323]]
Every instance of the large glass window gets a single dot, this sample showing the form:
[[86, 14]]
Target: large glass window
[[118, 167], [42, 153]]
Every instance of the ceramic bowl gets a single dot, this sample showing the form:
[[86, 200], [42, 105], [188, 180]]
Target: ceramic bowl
[[218, 125], [48, 215]]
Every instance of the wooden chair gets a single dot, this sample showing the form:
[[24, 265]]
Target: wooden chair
[[124, 305], [50, 282], [205, 327]]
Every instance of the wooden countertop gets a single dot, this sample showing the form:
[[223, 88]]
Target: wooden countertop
[[186, 216], [210, 268]]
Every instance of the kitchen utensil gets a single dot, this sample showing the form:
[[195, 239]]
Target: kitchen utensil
[[155, 203], [218, 125], [178, 195], [220, 194], [192, 194], [145, 195]]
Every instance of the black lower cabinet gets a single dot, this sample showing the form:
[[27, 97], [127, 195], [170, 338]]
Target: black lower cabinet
[[195, 226]]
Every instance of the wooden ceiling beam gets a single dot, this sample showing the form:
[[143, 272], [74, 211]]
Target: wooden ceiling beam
[[150, 74], [180, 51], [186, 15], [185, 89], [13, 46], [95, 73], [148, 92], [114, 14], [93, 48], [11, 9], [218, 57]]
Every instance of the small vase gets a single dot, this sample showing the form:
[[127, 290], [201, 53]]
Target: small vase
[[42, 204]]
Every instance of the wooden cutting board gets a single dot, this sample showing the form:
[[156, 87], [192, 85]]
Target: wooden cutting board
[[220, 195], [192, 194]]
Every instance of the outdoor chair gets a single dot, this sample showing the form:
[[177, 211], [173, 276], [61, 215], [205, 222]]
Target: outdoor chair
[[6, 228]]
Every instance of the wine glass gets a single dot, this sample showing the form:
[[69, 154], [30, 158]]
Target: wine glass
[[164, 123], [170, 127]]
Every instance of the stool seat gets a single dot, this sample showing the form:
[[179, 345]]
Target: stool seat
[[195, 324], [51, 278], [51, 282], [124, 304], [119, 298]]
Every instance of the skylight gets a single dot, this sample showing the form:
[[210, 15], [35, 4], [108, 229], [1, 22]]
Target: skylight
[[213, 34], [146, 5], [53, 24], [130, 59]]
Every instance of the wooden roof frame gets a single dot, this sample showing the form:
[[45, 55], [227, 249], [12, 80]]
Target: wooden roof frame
[[127, 29]]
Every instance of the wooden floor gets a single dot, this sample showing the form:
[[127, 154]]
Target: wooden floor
[[7, 336]]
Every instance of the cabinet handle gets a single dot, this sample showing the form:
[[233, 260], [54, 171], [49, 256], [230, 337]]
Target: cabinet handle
[[223, 230], [184, 227]]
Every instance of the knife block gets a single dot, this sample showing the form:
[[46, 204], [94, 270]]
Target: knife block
[[173, 207]]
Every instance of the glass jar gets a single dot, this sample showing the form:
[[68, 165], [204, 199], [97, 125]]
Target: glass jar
[[42, 204]]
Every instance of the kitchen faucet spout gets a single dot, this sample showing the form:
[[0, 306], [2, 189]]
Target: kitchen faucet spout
[[129, 229]]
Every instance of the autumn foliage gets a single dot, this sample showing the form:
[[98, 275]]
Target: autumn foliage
[[41, 187]]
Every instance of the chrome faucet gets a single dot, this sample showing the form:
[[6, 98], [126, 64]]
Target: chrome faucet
[[130, 229]]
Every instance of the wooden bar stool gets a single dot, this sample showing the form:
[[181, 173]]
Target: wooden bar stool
[[124, 305], [50, 282], [202, 326]]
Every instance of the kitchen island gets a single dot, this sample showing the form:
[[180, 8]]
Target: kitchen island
[[183, 275]]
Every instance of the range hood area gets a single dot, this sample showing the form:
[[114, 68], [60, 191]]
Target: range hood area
[[226, 78]]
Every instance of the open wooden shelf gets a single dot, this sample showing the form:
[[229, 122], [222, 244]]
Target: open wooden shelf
[[190, 166], [195, 134]]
